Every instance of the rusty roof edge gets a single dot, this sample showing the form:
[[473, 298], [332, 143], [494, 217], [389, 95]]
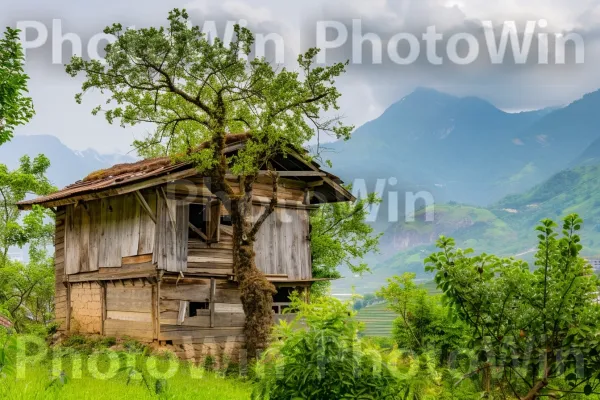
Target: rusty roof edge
[[83, 188]]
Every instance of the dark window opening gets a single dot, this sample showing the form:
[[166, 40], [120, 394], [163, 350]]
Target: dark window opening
[[283, 295], [281, 300], [198, 218], [226, 220], [197, 306]]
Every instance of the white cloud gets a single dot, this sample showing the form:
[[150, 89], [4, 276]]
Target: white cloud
[[367, 90]]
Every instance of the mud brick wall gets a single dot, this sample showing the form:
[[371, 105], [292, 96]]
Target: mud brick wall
[[86, 307]]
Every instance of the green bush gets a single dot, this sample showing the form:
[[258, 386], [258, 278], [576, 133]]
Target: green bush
[[320, 356]]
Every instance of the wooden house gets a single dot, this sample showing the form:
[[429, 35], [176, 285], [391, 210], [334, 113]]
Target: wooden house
[[144, 250]]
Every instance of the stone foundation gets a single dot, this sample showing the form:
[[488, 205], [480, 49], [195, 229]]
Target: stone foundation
[[86, 308], [219, 354]]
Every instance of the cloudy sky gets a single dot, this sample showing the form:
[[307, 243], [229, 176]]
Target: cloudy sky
[[368, 88]]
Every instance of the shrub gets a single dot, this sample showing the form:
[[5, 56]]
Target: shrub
[[320, 356]]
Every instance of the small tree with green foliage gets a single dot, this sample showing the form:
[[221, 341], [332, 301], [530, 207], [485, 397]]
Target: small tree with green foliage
[[341, 237], [320, 356], [423, 325], [535, 331], [15, 107], [26, 290]]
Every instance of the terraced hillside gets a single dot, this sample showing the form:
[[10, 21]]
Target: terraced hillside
[[377, 319]]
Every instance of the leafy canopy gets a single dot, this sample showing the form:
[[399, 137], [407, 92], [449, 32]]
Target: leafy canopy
[[26, 290], [340, 236], [15, 107], [194, 90], [423, 323], [537, 329]]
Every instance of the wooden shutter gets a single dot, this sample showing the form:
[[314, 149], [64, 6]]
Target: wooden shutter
[[213, 221]]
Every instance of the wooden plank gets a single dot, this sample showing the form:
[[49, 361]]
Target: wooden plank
[[69, 308], [181, 239], [201, 293], [94, 209], [129, 316], [212, 302], [133, 329], [211, 271], [148, 226], [229, 308], [146, 270], [84, 237], [158, 255], [169, 306], [197, 292], [141, 259], [110, 244], [171, 236], [145, 206], [180, 334], [183, 307], [155, 314], [129, 226], [214, 220], [201, 321], [103, 302], [223, 320], [71, 242], [210, 259]]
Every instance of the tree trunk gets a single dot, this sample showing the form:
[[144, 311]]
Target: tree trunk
[[256, 291]]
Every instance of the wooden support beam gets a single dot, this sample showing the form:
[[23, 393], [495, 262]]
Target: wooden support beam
[[227, 229], [198, 232], [212, 302], [183, 306], [171, 216], [145, 205], [295, 173], [68, 308], [103, 299]]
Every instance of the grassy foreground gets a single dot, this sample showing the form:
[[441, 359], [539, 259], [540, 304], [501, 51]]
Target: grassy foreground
[[67, 373], [38, 385]]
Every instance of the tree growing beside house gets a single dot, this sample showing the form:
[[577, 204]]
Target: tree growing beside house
[[194, 90], [16, 108], [25, 289]]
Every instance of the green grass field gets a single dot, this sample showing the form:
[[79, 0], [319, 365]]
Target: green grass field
[[37, 384], [377, 319], [69, 374]]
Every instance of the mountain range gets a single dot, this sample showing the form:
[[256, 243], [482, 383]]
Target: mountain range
[[66, 165], [465, 149], [492, 174]]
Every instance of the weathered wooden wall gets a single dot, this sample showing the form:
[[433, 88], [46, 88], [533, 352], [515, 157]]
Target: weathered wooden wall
[[99, 234], [216, 258], [60, 291], [282, 245], [130, 310], [171, 239], [223, 318]]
